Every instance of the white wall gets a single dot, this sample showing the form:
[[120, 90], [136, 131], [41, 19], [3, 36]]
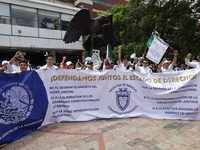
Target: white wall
[[5, 29], [30, 37], [44, 5], [48, 33], [28, 42], [25, 31]]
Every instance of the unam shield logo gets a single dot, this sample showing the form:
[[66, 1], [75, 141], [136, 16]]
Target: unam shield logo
[[17, 104], [123, 98]]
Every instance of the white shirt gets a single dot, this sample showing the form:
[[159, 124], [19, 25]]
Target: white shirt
[[143, 69], [121, 66], [13, 68], [95, 67], [194, 64], [78, 68], [46, 67], [169, 69]]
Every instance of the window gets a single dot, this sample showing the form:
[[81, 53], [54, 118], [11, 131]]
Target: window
[[66, 19], [24, 16], [103, 3], [49, 20], [4, 13]]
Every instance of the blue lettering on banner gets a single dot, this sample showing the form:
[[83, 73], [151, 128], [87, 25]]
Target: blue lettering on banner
[[23, 105], [122, 98]]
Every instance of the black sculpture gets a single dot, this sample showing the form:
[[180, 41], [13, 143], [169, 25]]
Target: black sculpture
[[100, 30]]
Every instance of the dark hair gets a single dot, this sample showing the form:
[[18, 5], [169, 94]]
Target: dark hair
[[145, 60], [23, 61], [126, 57], [107, 63], [89, 62], [48, 56]]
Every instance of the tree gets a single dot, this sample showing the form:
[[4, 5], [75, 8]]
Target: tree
[[176, 22]]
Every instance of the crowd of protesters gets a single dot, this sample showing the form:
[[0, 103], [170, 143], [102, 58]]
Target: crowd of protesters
[[19, 64]]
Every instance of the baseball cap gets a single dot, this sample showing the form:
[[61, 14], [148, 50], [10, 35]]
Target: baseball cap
[[166, 61], [4, 62], [69, 63]]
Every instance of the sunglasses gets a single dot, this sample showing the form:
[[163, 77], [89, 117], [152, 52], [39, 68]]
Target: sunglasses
[[145, 63]]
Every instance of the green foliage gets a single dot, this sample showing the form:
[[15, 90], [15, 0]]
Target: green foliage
[[86, 54], [176, 22]]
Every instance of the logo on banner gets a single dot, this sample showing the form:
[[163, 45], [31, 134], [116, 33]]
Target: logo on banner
[[16, 104], [123, 98]]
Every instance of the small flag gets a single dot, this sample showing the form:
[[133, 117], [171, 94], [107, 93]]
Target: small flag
[[151, 38], [109, 55]]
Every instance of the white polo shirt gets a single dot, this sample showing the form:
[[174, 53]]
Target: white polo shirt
[[121, 66], [143, 69], [169, 69], [46, 67], [13, 68]]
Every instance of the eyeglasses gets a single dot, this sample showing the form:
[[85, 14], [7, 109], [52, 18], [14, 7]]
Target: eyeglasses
[[145, 63]]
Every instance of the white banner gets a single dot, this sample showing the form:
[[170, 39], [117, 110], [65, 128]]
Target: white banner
[[85, 95], [157, 50], [34, 99]]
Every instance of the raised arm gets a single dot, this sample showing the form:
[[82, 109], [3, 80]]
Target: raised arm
[[188, 56], [119, 55], [175, 58], [139, 62], [96, 67], [187, 61], [104, 64], [15, 57], [160, 65]]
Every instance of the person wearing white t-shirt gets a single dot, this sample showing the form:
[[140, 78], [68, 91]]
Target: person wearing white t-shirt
[[166, 65], [145, 66], [124, 63], [49, 65], [194, 64], [106, 65], [4, 66], [13, 64], [89, 65]]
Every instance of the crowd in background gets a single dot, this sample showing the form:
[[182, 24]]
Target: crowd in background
[[19, 64]]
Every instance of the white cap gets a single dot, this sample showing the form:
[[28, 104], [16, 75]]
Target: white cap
[[166, 61], [4, 62], [69, 63]]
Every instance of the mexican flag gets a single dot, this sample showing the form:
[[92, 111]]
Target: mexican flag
[[151, 38], [109, 54]]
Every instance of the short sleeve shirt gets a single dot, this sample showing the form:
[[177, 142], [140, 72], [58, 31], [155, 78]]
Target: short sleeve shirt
[[169, 69]]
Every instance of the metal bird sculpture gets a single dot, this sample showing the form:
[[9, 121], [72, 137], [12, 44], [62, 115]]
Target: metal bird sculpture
[[100, 30]]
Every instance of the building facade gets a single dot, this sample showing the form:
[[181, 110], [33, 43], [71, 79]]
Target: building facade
[[37, 27]]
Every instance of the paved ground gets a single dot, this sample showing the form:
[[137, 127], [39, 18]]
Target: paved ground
[[113, 134]]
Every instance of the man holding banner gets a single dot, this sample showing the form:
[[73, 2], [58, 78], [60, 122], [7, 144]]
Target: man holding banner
[[49, 65], [123, 65], [145, 66]]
